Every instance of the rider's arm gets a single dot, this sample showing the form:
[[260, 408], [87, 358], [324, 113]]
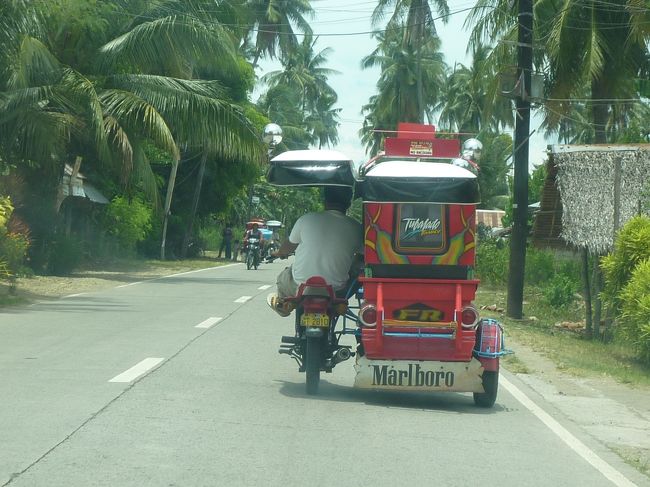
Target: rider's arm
[[285, 249]]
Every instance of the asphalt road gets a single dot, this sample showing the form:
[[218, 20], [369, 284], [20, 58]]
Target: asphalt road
[[210, 402]]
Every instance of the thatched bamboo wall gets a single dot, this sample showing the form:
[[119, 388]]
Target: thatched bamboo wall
[[600, 188]]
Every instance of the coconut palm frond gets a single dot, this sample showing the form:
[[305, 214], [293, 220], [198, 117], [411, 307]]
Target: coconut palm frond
[[15, 101], [119, 141], [77, 94], [143, 173], [33, 65], [169, 46], [137, 114], [209, 88], [39, 134]]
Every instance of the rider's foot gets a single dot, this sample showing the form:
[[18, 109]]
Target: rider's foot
[[276, 304]]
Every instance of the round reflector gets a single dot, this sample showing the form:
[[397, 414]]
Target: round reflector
[[469, 317], [368, 315]]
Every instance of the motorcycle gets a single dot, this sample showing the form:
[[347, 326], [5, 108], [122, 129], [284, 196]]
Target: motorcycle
[[315, 345], [253, 253]]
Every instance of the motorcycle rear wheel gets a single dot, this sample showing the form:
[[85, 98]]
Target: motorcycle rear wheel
[[312, 360]]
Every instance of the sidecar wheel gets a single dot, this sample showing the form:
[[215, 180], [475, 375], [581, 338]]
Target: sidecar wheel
[[312, 365], [491, 385]]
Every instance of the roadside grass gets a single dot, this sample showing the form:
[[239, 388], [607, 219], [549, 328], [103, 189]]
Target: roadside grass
[[99, 275], [569, 349]]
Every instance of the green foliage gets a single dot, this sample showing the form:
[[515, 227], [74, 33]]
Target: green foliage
[[632, 247], [559, 291], [128, 220], [536, 183], [634, 324], [492, 258], [13, 246], [540, 265], [494, 166], [66, 253]]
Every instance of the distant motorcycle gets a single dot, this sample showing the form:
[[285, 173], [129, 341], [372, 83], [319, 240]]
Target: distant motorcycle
[[253, 253]]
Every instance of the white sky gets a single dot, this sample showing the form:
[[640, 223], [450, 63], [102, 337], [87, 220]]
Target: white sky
[[347, 21]]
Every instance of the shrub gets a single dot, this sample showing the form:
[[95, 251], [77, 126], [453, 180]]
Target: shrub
[[634, 324], [559, 291], [540, 265], [631, 247], [13, 250], [65, 256], [13, 245], [492, 258], [129, 221]]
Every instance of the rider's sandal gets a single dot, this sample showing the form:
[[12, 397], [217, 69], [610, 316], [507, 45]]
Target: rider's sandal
[[277, 305]]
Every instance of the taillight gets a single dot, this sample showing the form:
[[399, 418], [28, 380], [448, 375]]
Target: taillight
[[368, 315], [469, 317]]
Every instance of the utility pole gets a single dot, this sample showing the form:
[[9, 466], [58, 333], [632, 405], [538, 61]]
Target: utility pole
[[522, 129]]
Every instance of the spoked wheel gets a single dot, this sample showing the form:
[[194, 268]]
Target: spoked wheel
[[312, 364], [249, 260], [491, 385], [256, 260]]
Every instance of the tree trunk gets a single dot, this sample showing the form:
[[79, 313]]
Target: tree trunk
[[597, 278], [587, 291], [168, 204], [195, 205]]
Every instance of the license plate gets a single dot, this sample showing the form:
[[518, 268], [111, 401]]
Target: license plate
[[315, 319]]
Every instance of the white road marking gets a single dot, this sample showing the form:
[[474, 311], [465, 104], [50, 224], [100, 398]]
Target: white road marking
[[73, 295], [264, 287], [137, 370], [130, 284], [180, 274], [199, 270], [616, 477], [243, 299], [209, 322]]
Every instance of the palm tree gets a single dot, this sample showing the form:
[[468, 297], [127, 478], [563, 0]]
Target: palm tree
[[198, 112], [414, 18], [596, 44], [471, 102], [303, 83], [273, 22], [397, 98]]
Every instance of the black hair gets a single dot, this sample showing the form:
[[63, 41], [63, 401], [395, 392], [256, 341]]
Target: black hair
[[338, 196]]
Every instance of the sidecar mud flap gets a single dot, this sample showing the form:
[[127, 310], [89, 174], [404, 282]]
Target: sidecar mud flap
[[416, 375]]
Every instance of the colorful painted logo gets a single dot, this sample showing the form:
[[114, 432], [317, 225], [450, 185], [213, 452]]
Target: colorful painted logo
[[418, 312]]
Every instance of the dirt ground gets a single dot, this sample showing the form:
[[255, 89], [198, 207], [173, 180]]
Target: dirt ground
[[616, 414]]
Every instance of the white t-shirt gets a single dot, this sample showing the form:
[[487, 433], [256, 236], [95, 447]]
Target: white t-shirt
[[326, 242]]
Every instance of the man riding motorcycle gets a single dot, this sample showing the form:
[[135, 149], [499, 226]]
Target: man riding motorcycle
[[324, 243]]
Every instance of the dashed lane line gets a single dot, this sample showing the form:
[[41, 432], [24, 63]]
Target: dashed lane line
[[137, 370], [209, 322], [243, 299]]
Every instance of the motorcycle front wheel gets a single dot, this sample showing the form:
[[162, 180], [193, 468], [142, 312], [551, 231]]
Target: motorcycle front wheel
[[312, 364], [249, 260]]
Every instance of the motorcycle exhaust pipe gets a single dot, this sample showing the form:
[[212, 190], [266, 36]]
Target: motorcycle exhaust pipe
[[342, 354]]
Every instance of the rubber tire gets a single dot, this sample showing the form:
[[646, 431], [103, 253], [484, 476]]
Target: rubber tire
[[249, 260], [256, 260], [491, 385], [312, 361]]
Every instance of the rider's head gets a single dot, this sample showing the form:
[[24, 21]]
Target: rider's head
[[255, 227], [337, 197]]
